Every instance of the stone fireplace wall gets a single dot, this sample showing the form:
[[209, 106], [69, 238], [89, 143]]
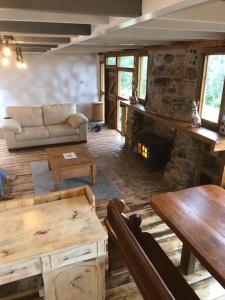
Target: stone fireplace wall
[[172, 89]]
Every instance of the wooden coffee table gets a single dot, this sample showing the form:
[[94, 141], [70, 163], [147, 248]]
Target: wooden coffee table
[[63, 168]]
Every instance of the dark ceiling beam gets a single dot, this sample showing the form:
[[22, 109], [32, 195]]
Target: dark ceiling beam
[[41, 40], [13, 45], [44, 28], [31, 49], [122, 8]]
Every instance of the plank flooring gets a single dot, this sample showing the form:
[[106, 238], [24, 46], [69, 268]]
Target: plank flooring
[[137, 182]]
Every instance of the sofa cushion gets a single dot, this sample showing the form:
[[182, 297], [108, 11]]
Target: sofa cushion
[[32, 133], [61, 130], [57, 113], [26, 116]]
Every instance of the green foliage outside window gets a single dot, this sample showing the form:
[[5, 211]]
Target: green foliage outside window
[[213, 87], [125, 84], [142, 86], [126, 61], [111, 61]]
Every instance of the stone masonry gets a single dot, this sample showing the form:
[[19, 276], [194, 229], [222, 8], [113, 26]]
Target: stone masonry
[[180, 172], [173, 82]]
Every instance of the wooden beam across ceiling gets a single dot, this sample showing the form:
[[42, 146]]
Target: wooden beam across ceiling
[[50, 17], [57, 29], [41, 40], [122, 8], [49, 46]]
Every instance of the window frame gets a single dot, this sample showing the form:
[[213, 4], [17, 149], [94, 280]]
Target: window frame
[[134, 70], [206, 123]]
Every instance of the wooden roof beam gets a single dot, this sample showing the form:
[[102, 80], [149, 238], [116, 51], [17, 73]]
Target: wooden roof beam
[[56, 29], [122, 8], [42, 40], [50, 17]]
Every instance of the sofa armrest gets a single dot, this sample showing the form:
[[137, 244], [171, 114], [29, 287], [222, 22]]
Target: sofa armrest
[[10, 124], [83, 131], [75, 120]]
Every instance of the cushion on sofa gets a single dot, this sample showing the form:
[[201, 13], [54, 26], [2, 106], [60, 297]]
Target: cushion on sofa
[[57, 113], [32, 133], [26, 116], [61, 130], [76, 120], [10, 124]]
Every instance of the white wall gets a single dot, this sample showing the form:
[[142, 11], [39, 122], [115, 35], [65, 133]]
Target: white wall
[[50, 79]]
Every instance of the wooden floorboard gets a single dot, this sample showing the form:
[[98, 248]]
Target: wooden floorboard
[[136, 182]]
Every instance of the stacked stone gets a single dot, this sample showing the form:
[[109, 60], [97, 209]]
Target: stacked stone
[[180, 172], [133, 127], [173, 82], [123, 121]]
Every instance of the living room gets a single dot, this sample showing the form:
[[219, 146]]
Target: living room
[[103, 100]]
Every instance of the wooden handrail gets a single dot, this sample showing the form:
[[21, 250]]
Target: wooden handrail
[[155, 275]]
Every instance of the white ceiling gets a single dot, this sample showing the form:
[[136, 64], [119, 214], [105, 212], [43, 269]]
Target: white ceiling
[[161, 22]]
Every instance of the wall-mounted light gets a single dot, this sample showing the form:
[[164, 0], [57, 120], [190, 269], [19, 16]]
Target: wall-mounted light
[[6, 52], [5, 61], [19, 59]]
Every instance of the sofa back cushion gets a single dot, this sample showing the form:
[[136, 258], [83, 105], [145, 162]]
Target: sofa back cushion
[[57, 113], [26, 116]]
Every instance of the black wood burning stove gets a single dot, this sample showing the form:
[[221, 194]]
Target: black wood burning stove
[[155, 149]]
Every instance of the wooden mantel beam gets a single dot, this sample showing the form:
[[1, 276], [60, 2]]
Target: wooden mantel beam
[[122, 8]]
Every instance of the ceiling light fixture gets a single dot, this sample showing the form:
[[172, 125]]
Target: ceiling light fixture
[[6, 52], [5, 61]]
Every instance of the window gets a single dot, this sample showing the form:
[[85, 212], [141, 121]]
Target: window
[[125, 84], [102, 77], [142, 76], [213, 88], [126, 62], [111, 61]]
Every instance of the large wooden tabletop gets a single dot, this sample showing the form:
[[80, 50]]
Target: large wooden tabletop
[[46, 228], [197, 216]]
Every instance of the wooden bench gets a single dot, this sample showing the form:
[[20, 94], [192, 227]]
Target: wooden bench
[[155, 275]]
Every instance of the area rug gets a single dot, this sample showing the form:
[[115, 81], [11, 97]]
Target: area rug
[[44, 183]]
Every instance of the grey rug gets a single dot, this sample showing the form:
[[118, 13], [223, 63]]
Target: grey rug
[[44, 183]]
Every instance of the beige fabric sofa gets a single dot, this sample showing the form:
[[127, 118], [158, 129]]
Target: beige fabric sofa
[[49, 124]]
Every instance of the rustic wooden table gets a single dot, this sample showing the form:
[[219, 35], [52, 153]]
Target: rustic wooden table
[[59, 236], [197, 216], [63, 168]]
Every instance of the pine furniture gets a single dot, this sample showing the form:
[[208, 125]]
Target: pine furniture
[[59, 236], [63, 168], [197, 216]]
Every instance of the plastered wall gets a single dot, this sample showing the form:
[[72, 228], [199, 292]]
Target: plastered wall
[[50, 79]]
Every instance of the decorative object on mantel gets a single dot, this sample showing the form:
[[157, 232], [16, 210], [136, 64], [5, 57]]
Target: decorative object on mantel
[[134, 99], [222, 126], [196, 120], [6, 51]]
